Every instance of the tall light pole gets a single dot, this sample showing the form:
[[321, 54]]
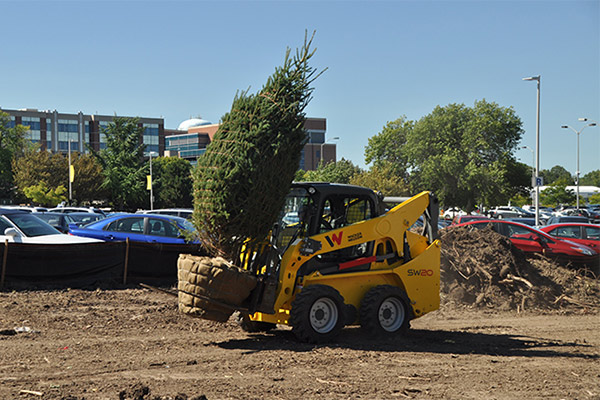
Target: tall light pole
[[538, 79], [532, 165], [150, 154], [323, 144], [577, 132], [70, 175]]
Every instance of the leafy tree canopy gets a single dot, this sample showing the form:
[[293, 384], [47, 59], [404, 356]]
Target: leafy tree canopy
[[36, 167], [44, 196], [555, 174], [591, 178], [382, 177], [172, 182], [340, 171], [465, 155], [557, 194], [122, 164], [13, 139], [386, 149]]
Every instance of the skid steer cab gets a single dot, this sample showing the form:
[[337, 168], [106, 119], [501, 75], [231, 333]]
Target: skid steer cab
[[338, 257]]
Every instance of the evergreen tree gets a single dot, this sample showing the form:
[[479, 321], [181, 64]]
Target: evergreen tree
[[241, 181]]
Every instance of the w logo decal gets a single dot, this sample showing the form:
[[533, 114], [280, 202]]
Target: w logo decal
[[334, 238]]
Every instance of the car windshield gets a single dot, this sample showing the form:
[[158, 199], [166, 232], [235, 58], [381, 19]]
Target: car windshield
[[31, 225]]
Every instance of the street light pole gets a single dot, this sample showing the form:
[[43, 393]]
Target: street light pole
[[577, 132], [538, 79], [323, 144], [532, 165], [151, 183]]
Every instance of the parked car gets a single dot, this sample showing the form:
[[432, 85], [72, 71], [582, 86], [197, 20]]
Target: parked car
[[502, 212], [459, 219], [26, 208], [525, 221], [77, 209], [452, 212], [84, 218], [586, 234], [150, 228], [531, 240], [178, 212], [60, 221], [559, 219], [20, 226]]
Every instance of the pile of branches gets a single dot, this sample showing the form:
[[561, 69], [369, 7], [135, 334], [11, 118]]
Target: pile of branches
[[483, 268]]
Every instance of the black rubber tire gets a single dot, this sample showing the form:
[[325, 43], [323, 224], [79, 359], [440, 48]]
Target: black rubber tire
[[247, 325], [317, 314], [385, 311]]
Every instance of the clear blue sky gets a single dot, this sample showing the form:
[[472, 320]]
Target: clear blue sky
[[179, 59]]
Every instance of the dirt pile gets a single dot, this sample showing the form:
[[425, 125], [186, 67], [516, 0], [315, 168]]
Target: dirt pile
[[483, 268]]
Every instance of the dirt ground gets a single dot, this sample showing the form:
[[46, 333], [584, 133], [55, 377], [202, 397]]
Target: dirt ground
[[132, 343]]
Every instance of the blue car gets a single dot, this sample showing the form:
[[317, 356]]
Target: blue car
[[147, 228]]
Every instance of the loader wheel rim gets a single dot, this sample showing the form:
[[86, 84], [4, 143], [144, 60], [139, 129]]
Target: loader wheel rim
[[323, 315], [391, 314]]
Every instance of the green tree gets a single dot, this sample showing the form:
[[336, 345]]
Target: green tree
[[557, 194], [340, 171], [556, 173], [13, 144], [465, 155], [36, 167], [13, 139], [594, 199], [122, 164], [88, 179], [172, 186], [382, 177], [591, 178], [386, 149], [44, 196], [241, 181]]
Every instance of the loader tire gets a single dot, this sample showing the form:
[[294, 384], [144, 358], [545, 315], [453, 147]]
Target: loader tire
[[385, 311], [317, 314], [247, 325], [202, 279]]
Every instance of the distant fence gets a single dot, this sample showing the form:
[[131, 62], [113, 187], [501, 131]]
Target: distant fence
[[77, 265]]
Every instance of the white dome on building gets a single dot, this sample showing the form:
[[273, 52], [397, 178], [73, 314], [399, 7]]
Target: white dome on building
[[192, 122]]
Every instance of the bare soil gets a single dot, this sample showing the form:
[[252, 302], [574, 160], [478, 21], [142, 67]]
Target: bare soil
[[133, 344], [510, 327]]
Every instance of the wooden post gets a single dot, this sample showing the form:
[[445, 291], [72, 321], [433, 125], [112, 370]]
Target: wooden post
[[126, 261], [4, 263]]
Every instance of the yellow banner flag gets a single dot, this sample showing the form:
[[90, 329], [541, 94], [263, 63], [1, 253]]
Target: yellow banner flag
[[149, 184], [71, 173]]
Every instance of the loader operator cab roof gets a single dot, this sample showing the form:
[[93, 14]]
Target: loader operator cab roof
[[317, 207]]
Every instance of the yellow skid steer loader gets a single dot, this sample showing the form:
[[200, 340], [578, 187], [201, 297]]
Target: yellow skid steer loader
[[338, 257]]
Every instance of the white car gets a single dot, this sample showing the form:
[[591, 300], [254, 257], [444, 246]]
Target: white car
[[177, 212], [19, 226], [68, 209]]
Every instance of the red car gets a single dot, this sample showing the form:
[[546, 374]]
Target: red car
[[586, 234], [531, 240]]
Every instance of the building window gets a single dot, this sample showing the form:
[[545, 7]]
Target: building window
[[150, 138], [68, 132], [103, 127], [48, 133], [34, 133]]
